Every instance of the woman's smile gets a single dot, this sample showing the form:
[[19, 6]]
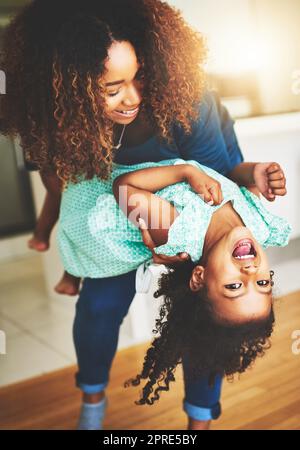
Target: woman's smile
[[127, 113]]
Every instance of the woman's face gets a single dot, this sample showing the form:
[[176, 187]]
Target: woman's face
[[123, 95], [237, 277]]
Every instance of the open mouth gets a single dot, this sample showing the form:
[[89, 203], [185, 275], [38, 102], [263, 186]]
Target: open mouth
[[128, 113], [244, 249]]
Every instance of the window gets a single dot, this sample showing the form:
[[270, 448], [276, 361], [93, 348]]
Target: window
[[254, 48]]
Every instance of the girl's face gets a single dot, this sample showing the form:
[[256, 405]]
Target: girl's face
[[123, 95], [237, 277]]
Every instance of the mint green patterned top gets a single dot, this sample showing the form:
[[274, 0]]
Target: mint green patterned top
[[96, 239]]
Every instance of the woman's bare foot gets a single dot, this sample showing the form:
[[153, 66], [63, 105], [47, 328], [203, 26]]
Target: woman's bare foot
[[68, 285], [39, 243]]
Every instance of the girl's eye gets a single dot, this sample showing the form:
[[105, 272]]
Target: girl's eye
[[233, 286], [263, 282]]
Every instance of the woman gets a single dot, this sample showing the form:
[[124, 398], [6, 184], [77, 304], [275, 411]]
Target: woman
[[84, 77]]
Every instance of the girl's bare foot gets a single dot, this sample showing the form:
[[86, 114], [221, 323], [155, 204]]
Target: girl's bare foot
[[68, 285], [39, 243]]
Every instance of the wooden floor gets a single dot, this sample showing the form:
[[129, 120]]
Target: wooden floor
[[267, 397]]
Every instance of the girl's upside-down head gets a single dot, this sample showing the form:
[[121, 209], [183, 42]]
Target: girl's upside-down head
[[217, 315]]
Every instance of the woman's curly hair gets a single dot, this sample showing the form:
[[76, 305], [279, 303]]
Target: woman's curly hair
[[54, 54], [191, 333]]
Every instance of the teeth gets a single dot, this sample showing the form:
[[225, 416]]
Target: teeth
[[243, 244], [128, 113], [244, 257]]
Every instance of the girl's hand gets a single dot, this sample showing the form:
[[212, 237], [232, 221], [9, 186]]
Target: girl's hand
[[150, 244], [207, 187], [270, 180]]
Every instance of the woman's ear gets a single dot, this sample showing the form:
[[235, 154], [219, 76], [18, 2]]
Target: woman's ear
[[197, 279]]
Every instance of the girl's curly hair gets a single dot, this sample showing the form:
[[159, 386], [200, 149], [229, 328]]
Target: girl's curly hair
[[54, 54], [191, 333]]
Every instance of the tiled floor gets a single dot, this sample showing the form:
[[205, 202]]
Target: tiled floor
[[33, 325], [39, 331]]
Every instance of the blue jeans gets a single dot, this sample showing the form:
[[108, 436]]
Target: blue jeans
[[101, 307]]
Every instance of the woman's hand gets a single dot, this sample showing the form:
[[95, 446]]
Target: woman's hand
[[207, 187], [270, 180], [150, 244]]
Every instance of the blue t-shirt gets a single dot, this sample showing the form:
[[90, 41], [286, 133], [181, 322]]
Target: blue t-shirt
[[212, 142]]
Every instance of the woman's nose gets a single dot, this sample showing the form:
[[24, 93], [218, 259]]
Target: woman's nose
[[133, 96]]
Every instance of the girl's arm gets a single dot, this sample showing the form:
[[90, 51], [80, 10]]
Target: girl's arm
[[153, 179], [134, 193], [52, 183], [242, 174], [254, 190], [267, 177]]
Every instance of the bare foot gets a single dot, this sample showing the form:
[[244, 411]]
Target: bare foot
[[38, 243], [68, 285]]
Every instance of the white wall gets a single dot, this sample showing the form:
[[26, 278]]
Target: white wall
[[262, 36]]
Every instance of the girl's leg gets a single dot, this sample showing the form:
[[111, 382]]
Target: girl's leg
[[49, 213], [202, 401], [68, 284], [100, 310], [45, 223]]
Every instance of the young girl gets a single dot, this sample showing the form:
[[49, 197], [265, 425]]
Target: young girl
[[218, 306], [94, 82]]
